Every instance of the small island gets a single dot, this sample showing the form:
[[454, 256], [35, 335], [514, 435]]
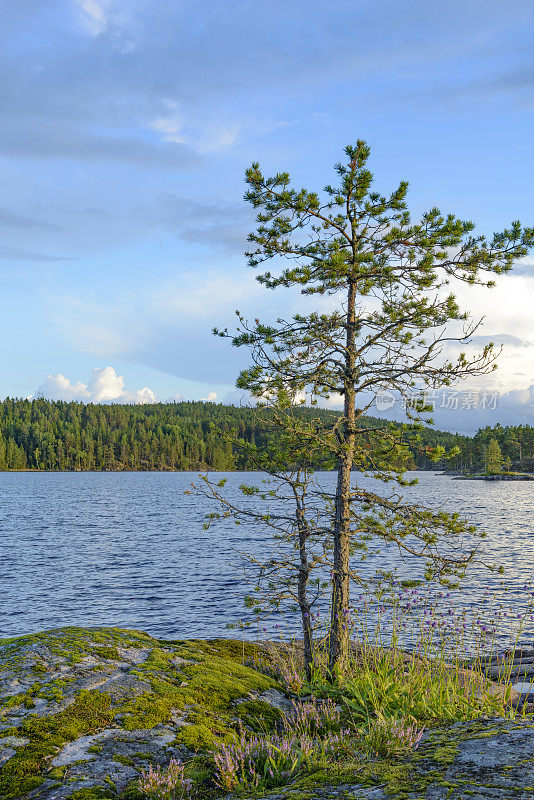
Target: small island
[[495, 467]]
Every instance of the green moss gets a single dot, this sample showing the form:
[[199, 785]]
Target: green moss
[[110, 653], [9, 732], [148, 710], [217, 682], [332, 773], [399, 778], [445, 754], [24, 771], [52, 693], [213, 683], [128, 762], [25, 699], [313, 779], [12, 702], [143, 756], [97, 793], [257, 715], [200, 736], [488, 734], [204, 693], [56, 773]]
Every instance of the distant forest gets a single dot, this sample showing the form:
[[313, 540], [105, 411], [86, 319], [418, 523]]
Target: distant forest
[[55, 435]]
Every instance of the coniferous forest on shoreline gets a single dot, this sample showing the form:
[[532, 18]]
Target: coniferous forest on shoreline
[[57, 435]]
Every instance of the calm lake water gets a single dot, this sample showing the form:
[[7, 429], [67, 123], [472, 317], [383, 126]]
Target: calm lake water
[[129, 549]]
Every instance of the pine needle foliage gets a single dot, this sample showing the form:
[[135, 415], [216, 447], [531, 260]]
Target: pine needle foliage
[[384, 319]]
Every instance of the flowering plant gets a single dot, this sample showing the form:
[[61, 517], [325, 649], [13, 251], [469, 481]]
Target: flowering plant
[[165, 783], [392, 737]]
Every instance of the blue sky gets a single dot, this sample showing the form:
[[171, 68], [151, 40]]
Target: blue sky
[[127, 127]]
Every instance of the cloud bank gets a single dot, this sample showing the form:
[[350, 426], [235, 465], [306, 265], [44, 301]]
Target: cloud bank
[[463, 410], [104, 386], [458, 410]]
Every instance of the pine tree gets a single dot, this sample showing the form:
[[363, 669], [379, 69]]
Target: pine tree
[[494, 459], [384, 327]]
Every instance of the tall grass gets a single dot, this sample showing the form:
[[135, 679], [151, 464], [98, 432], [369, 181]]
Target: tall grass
[[413, 656], [407, 670]]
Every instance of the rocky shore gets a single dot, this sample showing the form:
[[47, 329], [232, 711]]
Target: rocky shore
[[505, 477], [461, 475], [84, 711], [513, 666]]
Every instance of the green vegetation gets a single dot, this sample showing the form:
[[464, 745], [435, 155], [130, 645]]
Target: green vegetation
[[55, 435], [365, 728], [515, 442], [386, 328], [214, 679], [40, 434], [494, 459]]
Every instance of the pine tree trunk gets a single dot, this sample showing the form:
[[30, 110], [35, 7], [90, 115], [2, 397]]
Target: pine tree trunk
[[308, 641], [304, 574], [339, 632]]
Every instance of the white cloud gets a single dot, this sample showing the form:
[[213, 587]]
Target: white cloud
[[58, 387], [507, 321], [170, 126], [463, 410], [94, 14], [140, 397], [104, 386], [217, 137], [204, 134], [211, 398], [213, 297], [166, 325], [111, 18], [515, 407]]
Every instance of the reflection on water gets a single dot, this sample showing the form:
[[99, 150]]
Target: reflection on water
[[129, 549]]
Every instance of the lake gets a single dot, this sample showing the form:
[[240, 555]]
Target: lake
[[129, 549]]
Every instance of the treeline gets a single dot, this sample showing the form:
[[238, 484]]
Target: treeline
[[56, 435], [516, 443]]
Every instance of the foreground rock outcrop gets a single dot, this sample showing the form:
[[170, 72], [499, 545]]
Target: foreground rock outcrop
[[84, 711], [492, 759]]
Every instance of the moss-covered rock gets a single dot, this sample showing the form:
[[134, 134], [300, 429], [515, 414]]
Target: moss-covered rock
[[489, 759], [108, 702], [84, 711]]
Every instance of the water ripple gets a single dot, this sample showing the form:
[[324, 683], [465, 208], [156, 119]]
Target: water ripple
[[129, 549]]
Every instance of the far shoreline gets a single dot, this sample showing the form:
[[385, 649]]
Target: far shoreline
[[169, 471], [519, 477]]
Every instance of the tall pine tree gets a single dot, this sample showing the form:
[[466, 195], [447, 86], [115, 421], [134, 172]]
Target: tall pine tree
[[385, 327]]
